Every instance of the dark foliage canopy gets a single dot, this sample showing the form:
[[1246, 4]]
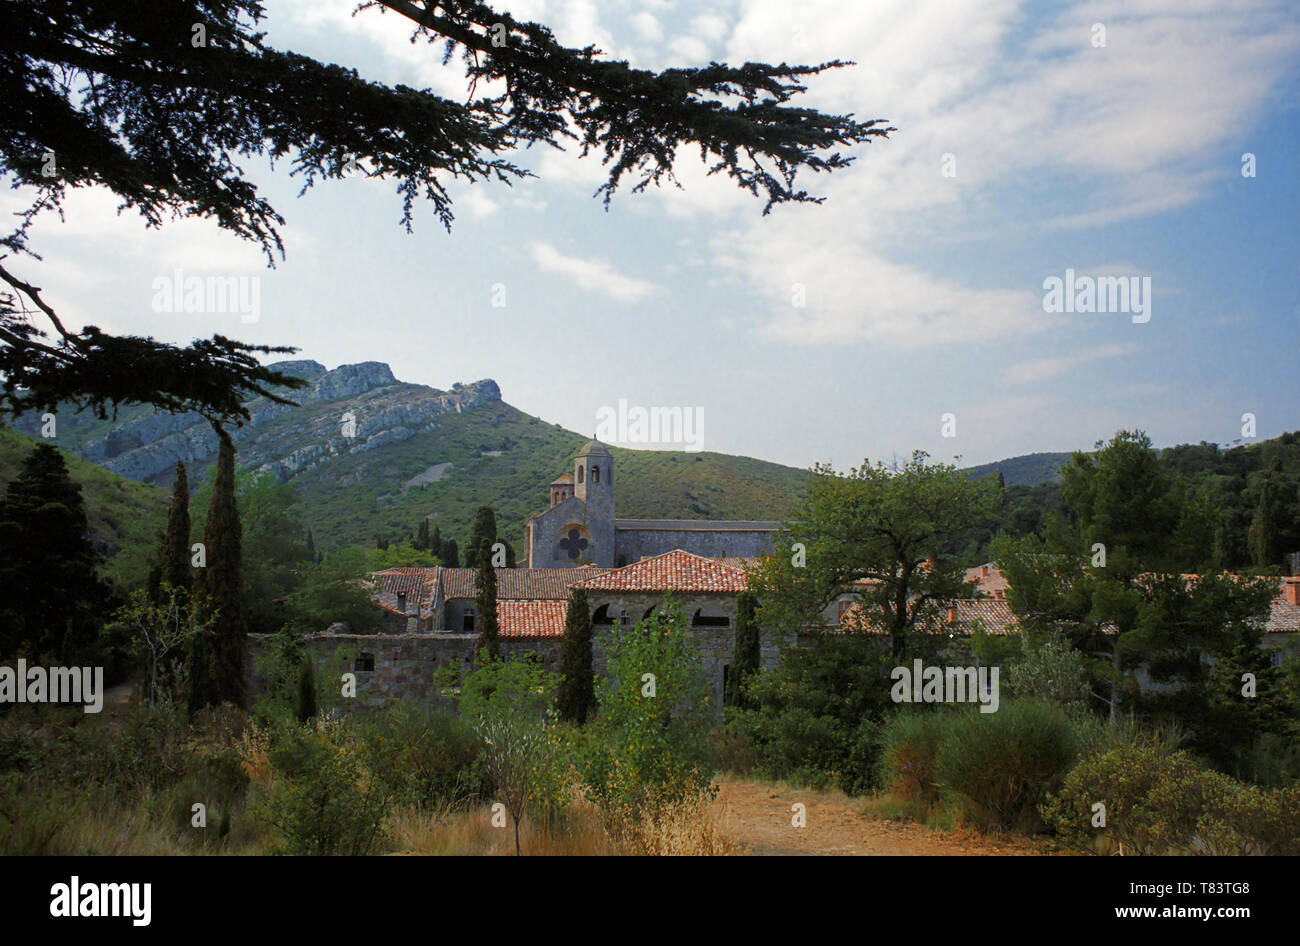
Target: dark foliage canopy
[[49, 593]]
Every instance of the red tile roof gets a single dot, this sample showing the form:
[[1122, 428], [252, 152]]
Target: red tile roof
[[516, 583], [989, 580], [671, 571], [531, 618], [956, 617]]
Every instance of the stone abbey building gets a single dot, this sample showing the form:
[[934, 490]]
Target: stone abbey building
[[581, 528]]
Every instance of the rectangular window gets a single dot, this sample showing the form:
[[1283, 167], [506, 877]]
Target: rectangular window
[[468, 624], [365, 663]]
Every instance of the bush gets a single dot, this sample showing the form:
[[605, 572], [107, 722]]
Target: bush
[[731, 750], [861, 768], [1159, 801], [423, 756], [323, 801], [908, 755], [808, 712], [647, 751], [1001, 765]]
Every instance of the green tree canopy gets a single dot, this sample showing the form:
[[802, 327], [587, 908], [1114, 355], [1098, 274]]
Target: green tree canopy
[[50, 593], [888, 537]]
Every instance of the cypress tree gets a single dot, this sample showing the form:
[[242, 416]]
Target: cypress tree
[[175, 558], [485, 603], [483, 536], [1264, 528], [576, 700], [746, 652], [49, 591], [311, 543], [218, 652], [305, 698], [435, 543], [422, 535], [450, 554]]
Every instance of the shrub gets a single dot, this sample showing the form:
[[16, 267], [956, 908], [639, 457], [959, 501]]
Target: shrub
[[647, 750], [1159, 801], [323, 801], [423, 756], [861, 768], [797, 746], [1253, 820], [804, 724], [1001, 765], [731, 750], [908, 755]]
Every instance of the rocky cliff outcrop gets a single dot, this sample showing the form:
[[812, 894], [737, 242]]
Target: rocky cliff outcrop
[[352, 409]]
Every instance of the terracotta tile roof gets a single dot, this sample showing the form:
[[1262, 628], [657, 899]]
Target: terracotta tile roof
[[416, 583], [990, 580], [531, 618], [517, 583], [671, 571], [956, 617], [1284, 617]]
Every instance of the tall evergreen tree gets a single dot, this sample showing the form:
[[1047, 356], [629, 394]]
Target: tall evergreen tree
[[305, 695], [435, 543], [576, 700], [1266, 525], [422, 535], [49, 592], [450, 554], [746, 651], [485, 604], [484, 535], [218, 652], [311, 543], [175, 558]]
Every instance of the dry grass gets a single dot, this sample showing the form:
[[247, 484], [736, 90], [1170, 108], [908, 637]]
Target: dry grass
[[689, 830]]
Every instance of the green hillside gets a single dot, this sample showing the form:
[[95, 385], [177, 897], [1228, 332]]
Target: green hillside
[[1028, 470], [125, 517], [504, 458]]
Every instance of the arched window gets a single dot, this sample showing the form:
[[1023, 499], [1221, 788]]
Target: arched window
[[579, 474], [601, 616], [700, 619], [595, 474]]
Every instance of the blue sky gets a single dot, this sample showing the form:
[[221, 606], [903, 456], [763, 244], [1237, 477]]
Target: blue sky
[[923, 291]]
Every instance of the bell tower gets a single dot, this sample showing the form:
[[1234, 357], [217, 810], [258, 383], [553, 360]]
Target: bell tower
[[593, 483]]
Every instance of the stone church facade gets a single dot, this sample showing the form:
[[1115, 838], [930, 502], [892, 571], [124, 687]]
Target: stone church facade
[[581, 528]]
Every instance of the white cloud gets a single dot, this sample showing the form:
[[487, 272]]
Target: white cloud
[[1028, 108], [591, 274], [1040, 369], [648, 27]]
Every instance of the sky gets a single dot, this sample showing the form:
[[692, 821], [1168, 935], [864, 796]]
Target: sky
[[1154, 140]]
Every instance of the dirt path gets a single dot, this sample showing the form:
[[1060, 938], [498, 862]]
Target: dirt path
[[758, 814]]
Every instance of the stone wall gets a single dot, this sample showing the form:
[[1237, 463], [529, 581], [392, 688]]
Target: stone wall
[[548, 528], [634, 544], [404, 664]]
